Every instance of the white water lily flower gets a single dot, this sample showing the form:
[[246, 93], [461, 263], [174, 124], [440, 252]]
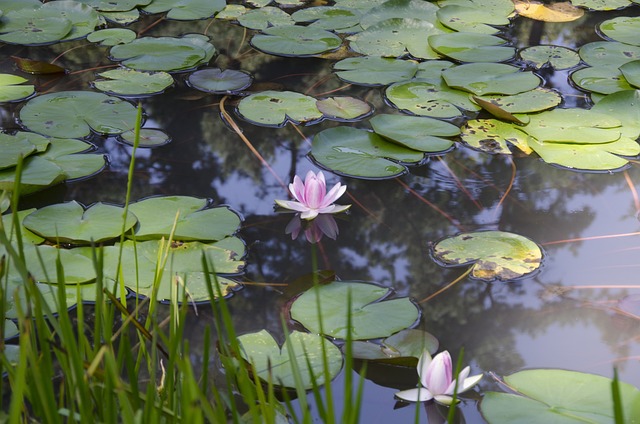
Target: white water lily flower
[[312, 198], [436, 380]]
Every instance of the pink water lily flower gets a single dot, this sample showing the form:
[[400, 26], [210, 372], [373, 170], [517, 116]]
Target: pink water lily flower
[[311, 197], [436, 380]]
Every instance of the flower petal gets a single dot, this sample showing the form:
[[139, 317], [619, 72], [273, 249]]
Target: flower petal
[[423, 366], [334, 194], [419, 394], [470, 382], [461, 377], [314, 192], [297, 189], [309, 214], [443, 399], [327, 224], [292, 205], [439, 374]]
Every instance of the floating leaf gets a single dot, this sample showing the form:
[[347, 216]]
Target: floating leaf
[[600, 79], [573, 126], [315, 358], [492, 136], [186, 10], [328, 17], [371, 316], [10, 330], [156, 217], [149, 137], [71, 223], [344, 108], [403, 348], [22, 144], [75, 114], [601, 4], [417, 133], [553, 12], [411, 9], [624, 106], [48, 292], [112, 36], [122, 18], [114, 5], [490, 78], [264, 18], [527, 102], [559, 396], [371, 70], [36, 67], [631, 72], [493, 254], [215, 80], [127, 82], [295, 41], [471, 47], [359, 153], [471, 19], [623, 28], [11, 90], [610, 53], [10, 231], [276, 108], [555, 57]]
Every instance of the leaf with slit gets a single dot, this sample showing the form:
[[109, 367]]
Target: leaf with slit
[[492, 136], [149, 137], [114, 5], [415, 132], [7, 222], [403, 348], [328, 17], [530, 101], [552, 12], [490, 78], [558, 396], [471, 47], [292, 40], [128, 82], [21, 144], [84, 19], [624, 106], [112, 36], [603, 79], [425, 98], [36, 67], [75, 114], [410, 9], [579, 126], [276, 108], [395, 38], [12, 91], [493, 255], [631, 72], [164, 53], [431, 70], [623, 28], [71, 223], [344, 108], [264, 18], [219, 81], [17, 27], [315, 358], [373, 71], [555, 57], [372, 315], [471, 19], [601, 5], [48, 292], [156, 216], [588, 157], [609, 53], [186, 10], [359, 153]]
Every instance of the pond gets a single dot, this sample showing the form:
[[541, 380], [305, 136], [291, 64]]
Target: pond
[[579, 311]]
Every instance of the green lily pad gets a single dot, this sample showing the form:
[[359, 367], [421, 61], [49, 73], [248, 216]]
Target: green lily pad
[[295, 41], [164, 53], [623, 28], [28, 236], [624, 106], [112, 36], [22, 144], [10, 330], [328, 17], [186, 10], [609, 53], [71, 223], [122, 18], [471, 47], [558, 396], [497, 7], [74, 114], [530, 101], [309, 352], [114, 5], [555, 57], [372, 71], [264, 18], [471, 19], [495, 255], [600, 79], [215, 80], [127, 82], [194, 221], [276, 108], [492, 136], [371, 316], [401, 9], [9, 5], [431, 70], [425, 98], [49, 295], [573, 126], [12, 91], [631, 72], [601, 5], [490, 78], [344, 108], [396, 37], [403, 348], [12, 353], [149, 137], [359, 153], [232, 12], [417, 133]]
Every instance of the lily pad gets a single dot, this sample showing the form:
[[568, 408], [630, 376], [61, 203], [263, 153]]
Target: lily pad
[[49, 295], [114, 5], [417, 133], [631, 72], [609, 53], [371, 315], [604, 79], [562, 11], [149, 137], [471, 19], [127, 82], [21, 144], [344, 108], [186, 10], [624, 106], [71, 223], [372, 71], [295, 41], [10, 330], [623, 28], [492, 136], [12, 91], [359, 153], [573, 126], [555, 57], [309, 352], [601, 5], [559, 396], [10, 231], [401, 9], [215, 80], [471, 47], [490, 78], [530, 101], [194, 221], [264, 18], [403, 348], [112, 36], [75, 114], [328, 17], [494, 255], [276, 108]]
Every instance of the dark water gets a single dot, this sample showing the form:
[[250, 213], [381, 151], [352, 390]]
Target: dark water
[[580, 312]]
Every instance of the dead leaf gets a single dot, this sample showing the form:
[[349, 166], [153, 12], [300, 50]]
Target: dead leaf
[[552, 12]]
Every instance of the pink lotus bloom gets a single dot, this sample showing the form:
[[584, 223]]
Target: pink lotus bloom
[[436, 379], [312, 198]]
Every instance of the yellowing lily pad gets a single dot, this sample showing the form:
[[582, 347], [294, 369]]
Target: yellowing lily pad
[[11, 89], [493, 255], [553, 12], [493, 136]]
